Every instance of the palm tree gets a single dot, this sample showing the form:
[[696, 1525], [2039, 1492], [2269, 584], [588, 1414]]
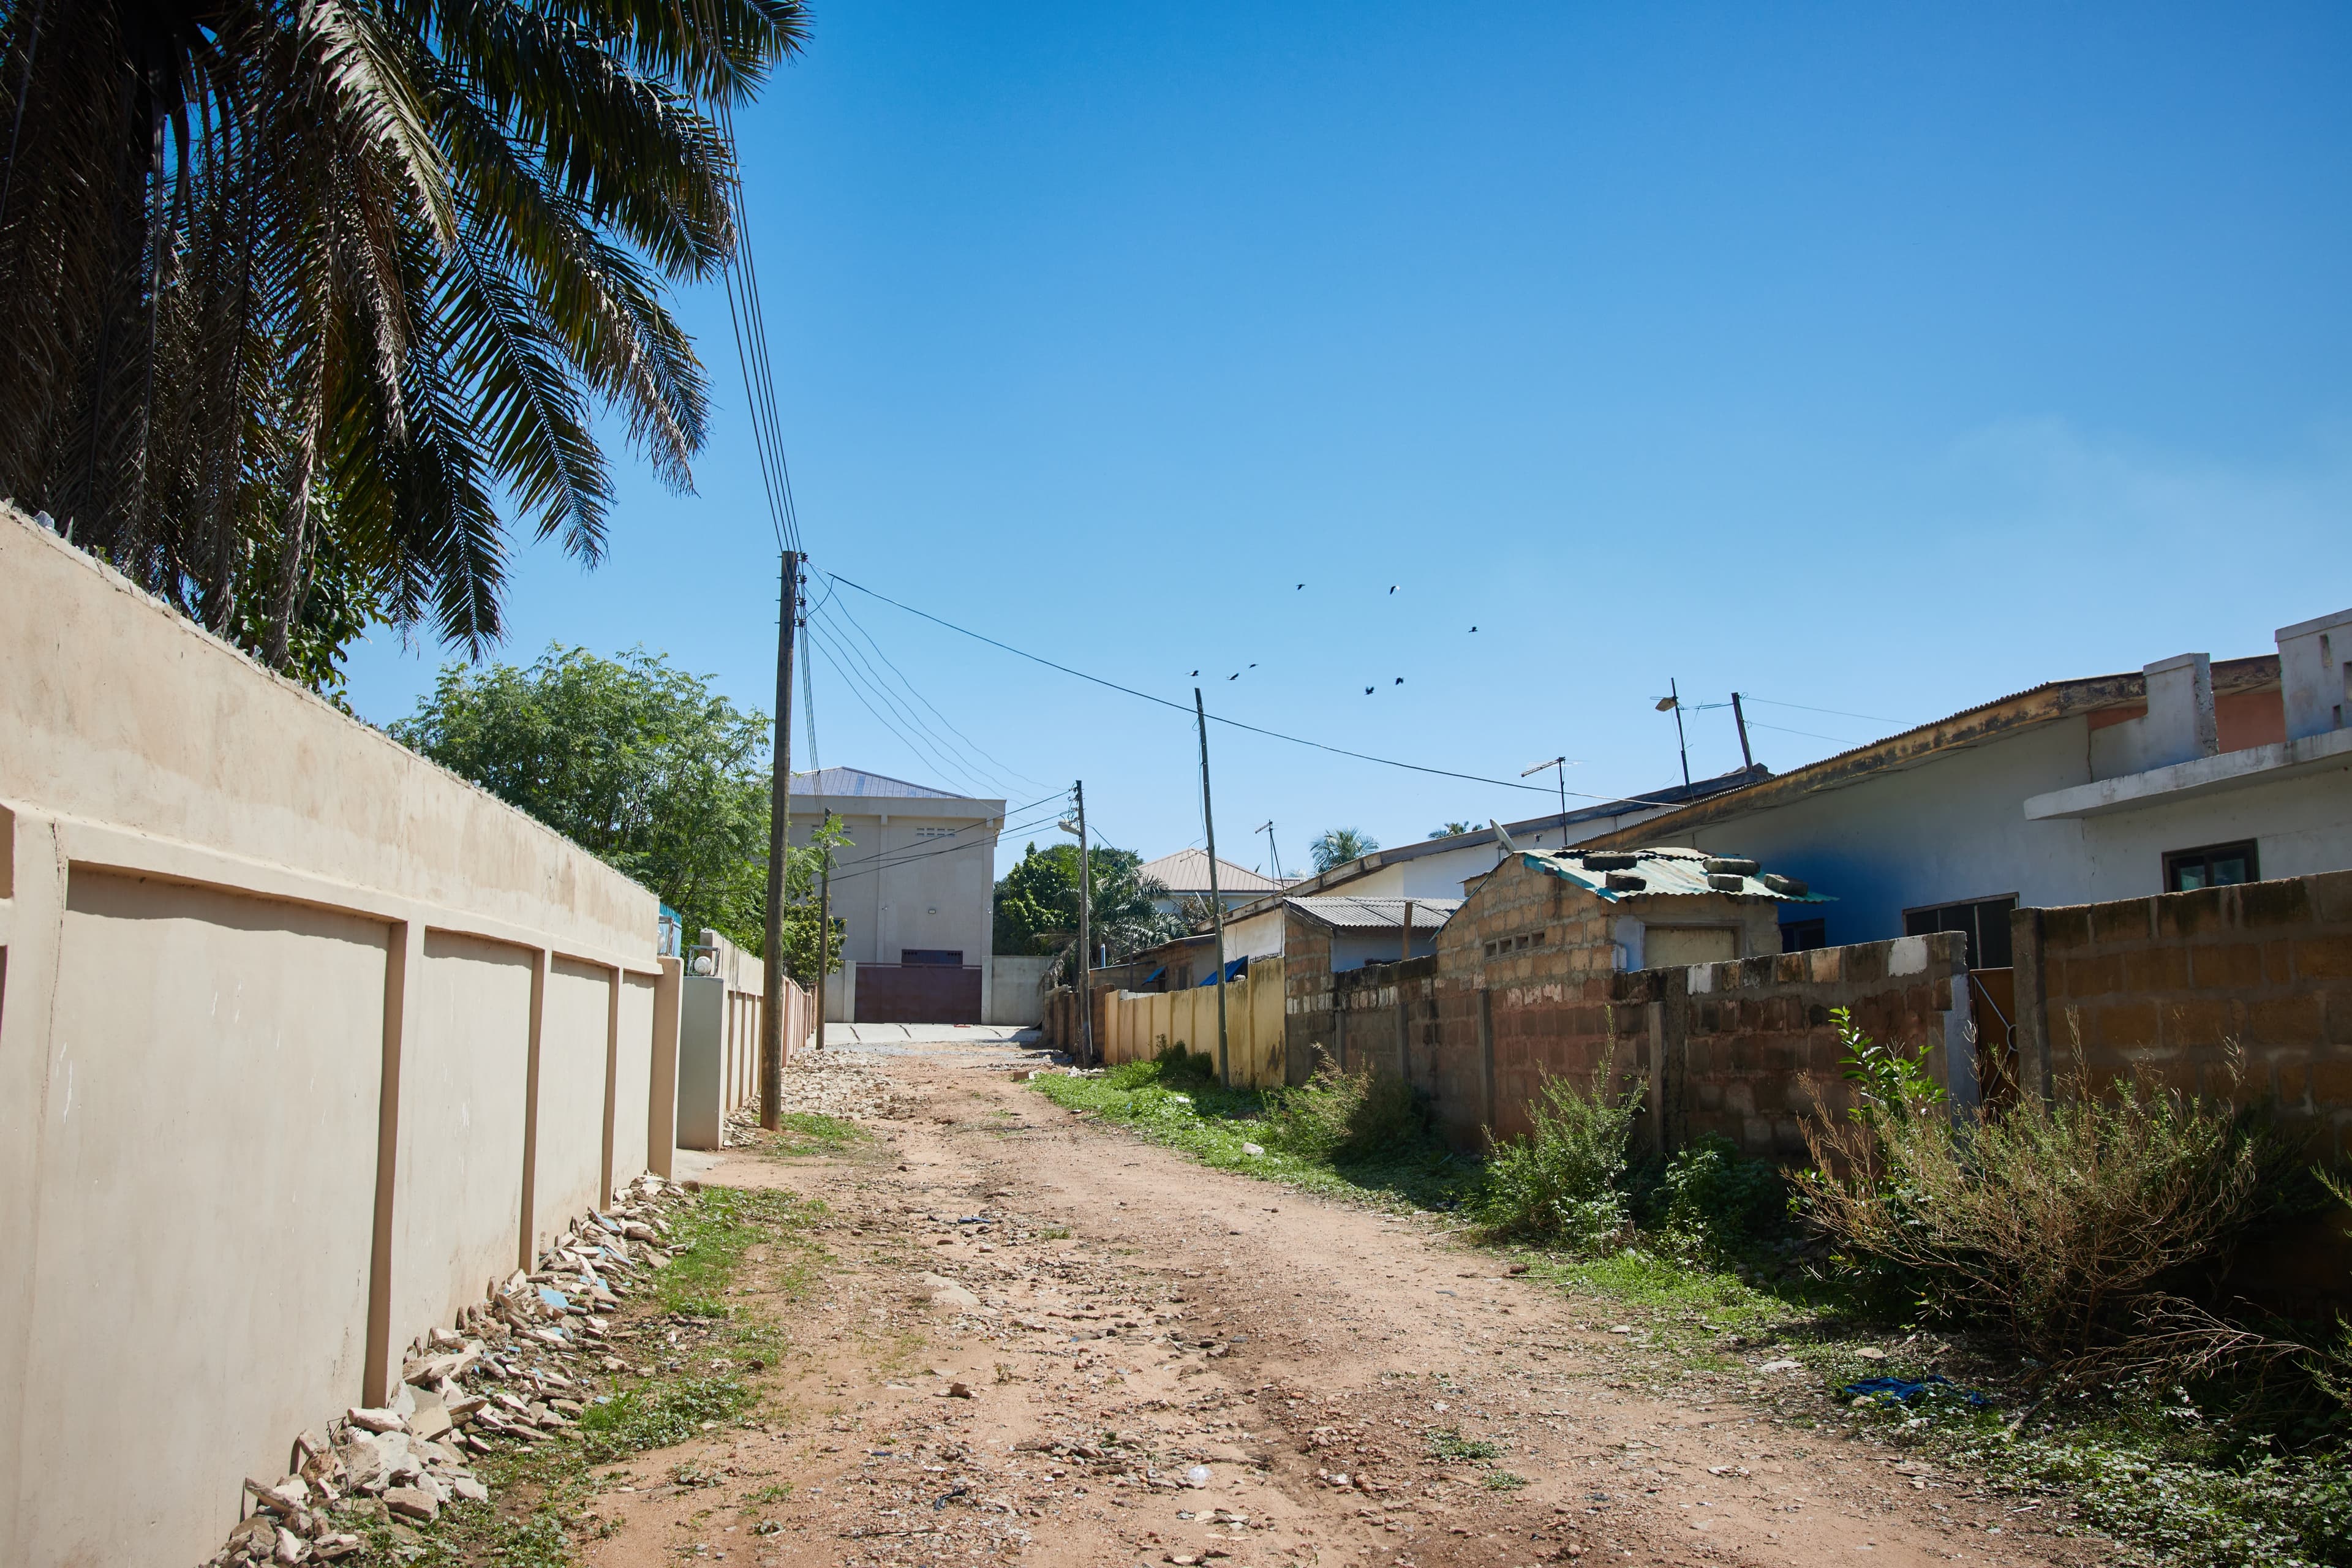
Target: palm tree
[[1449, 830], [293, 291], [1338, 846]]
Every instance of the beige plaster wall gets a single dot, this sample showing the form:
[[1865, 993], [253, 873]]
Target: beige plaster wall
[[269, 991], [200, 1273], [458, 1215], [569, 1159], [633, 1078]]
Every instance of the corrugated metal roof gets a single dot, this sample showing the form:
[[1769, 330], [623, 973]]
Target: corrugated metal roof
[[1375, 914], [858, 781], [1187, 871], [1617, 873]]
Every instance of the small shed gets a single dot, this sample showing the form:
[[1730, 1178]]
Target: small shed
[[1516, 966]]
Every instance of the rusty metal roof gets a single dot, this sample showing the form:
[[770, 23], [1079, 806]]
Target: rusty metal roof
[[1613, 875], [1375, 914]]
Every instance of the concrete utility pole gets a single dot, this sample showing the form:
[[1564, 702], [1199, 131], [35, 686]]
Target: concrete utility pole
[[1085, 936], [1216, 900], [1739, 717], [779, 842]]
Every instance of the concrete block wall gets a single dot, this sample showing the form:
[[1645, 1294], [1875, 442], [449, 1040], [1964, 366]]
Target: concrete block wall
[[302, 1042], [1744, 1050], [2241, 992], [1748, 1049]]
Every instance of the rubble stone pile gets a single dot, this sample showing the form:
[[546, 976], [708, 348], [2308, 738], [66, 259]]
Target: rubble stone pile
[[848, 1085], [520, 1367]]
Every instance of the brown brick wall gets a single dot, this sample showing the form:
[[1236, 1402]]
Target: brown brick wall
[[2238, 993]]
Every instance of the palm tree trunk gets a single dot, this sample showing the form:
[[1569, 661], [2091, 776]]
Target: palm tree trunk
[[290, 551]]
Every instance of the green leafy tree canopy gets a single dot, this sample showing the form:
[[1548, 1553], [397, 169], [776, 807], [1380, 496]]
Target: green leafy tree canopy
[[1038, 904], [636, 762]]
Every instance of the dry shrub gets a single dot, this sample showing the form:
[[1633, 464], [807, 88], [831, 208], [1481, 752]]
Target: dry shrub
[[2073, 1225]]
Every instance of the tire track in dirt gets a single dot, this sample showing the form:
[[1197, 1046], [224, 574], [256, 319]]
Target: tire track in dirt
[[1160, 1363]]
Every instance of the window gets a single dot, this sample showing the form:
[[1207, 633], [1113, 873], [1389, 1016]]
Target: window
[[1984, 921], [937, 832], [2215, 866], [951, 957], [1803, 936]]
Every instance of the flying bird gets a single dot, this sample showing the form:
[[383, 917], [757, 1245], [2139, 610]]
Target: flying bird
[[1474, 629], [1391, 588], [1368, 692], [1301, 585], [1196, 672], [1399, 680], [1235, 676]]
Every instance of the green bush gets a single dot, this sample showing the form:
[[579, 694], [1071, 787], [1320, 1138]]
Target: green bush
[[2070, 1225], [1563, 1185], [1711, 1200], [1349, 1117]]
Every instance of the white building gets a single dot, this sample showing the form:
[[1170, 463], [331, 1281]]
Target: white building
[[2187, 774], [1439, 867], [915, 890]]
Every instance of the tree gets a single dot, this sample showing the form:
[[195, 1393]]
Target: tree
[[1338, 846], [294, 292], [1038, 904], [639, 764], [1450, 830]]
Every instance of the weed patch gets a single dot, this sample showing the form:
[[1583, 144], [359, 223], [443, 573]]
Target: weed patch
[[1448, 1443], [1314, 1138]]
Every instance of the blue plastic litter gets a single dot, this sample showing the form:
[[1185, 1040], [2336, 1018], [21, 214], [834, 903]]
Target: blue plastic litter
[[1905, 1391]]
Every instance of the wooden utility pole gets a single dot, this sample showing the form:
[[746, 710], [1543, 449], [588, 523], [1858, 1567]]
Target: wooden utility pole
[[1217, 899], [1739, 717], [1085, 936], [780, 843]]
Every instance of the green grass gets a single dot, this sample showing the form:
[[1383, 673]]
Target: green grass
[[805, 1132], [1502, 1481], [708, 1238], [1187, 1110], [543, 1493], [657, 1414], [1448, 1443]]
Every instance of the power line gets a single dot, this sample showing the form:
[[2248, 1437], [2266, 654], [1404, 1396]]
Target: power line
[[908, 860], [839, 642], [1059, 800], [857, 688], [1839, 712], [1810, 735], [1233, 723], [860, 626]]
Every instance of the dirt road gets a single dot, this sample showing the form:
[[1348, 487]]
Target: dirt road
[[1036, 1338]]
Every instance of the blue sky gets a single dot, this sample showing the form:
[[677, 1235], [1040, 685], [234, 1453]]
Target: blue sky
[[1879, 359]]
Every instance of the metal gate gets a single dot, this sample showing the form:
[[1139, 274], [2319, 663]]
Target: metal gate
[[917, 994]]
